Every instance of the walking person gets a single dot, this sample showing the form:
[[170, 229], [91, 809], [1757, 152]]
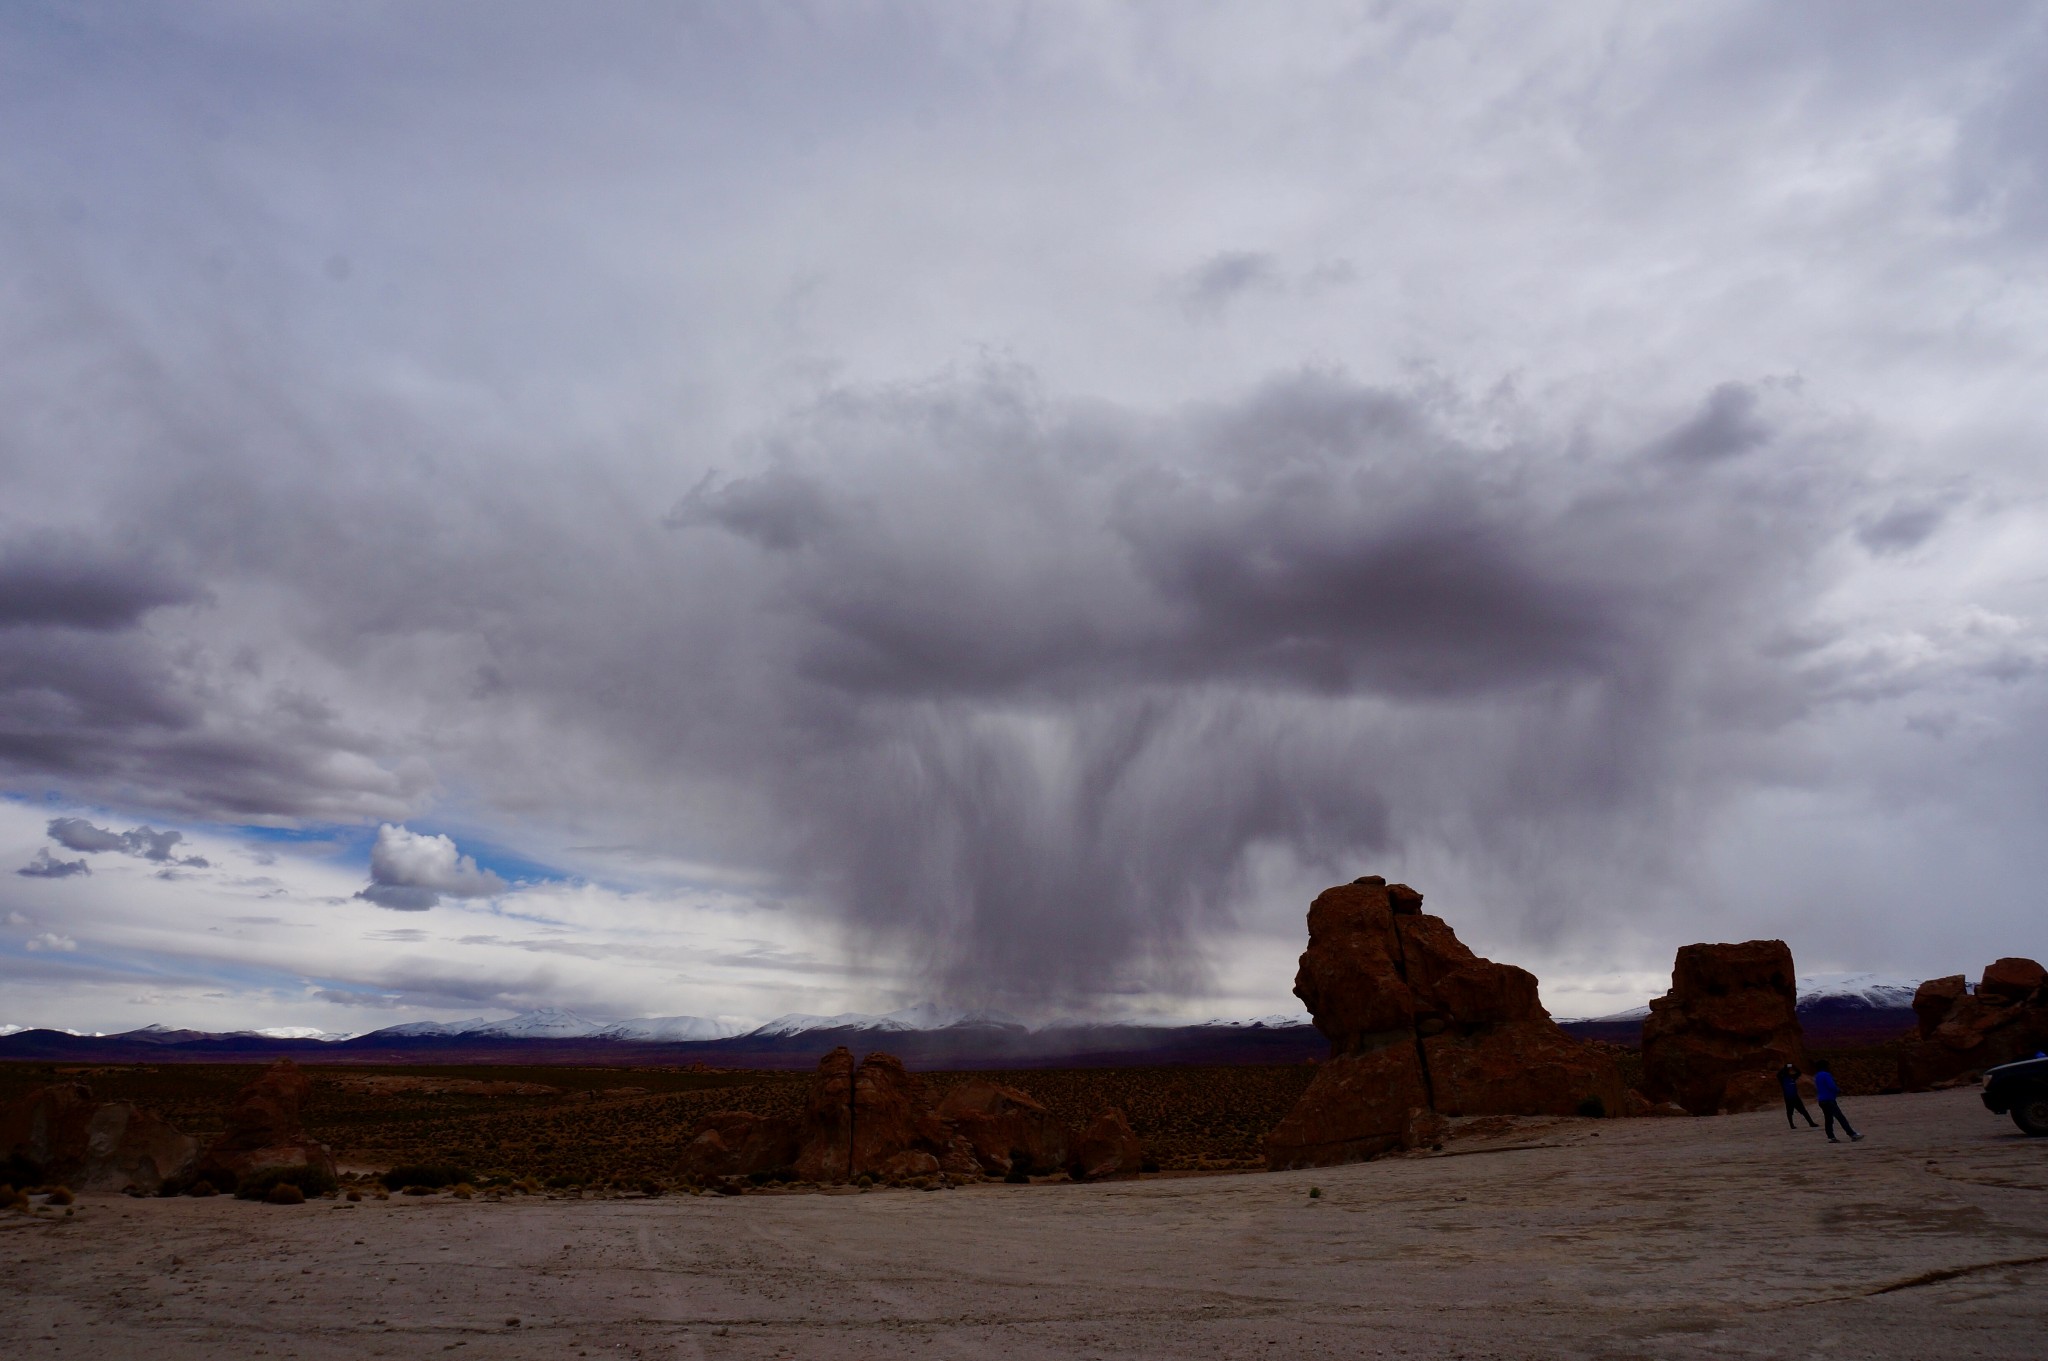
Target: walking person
[[1788, 1080], [1824, 1088]]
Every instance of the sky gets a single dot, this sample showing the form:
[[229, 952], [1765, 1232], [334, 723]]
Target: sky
[[707, 509]]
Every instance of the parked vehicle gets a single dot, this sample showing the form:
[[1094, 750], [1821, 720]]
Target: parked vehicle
[[2022, 1089]]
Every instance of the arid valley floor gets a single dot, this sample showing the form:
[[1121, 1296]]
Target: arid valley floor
[[1725, 1236]]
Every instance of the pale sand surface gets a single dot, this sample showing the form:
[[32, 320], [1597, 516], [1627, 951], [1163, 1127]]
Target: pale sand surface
[[1657, 1238]]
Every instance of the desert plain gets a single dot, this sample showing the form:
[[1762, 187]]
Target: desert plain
[[1538, 1237]]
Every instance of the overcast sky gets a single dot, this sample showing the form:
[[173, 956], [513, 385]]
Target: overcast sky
[[730, 509]]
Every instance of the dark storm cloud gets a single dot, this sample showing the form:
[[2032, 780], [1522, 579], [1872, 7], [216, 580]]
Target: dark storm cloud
[[1727, 425], [1902, 528], [1227, 275], [1033, 676], [47, 866], [1313, 621], [62, 583]]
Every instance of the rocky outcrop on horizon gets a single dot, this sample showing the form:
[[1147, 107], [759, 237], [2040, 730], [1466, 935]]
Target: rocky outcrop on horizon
[[264, 1136], [60, 1135], [1715, 1041], [875, 1120], [1420, 1029], [1963, 1032]]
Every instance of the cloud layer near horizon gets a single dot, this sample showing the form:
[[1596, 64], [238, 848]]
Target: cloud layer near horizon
[[1039, 492]]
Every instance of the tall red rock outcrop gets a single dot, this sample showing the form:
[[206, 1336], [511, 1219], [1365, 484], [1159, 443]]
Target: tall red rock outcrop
[[264, 1135], [59, 1134], [1419, 1026], [1717, 1039], [1962, 1032]]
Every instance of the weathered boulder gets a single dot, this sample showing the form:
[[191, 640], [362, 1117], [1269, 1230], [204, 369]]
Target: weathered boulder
[[43, 1135], [1417, 1022], [1933, 999], [735, 1144], [1728, 1024], [1107, 1148], [60, 1134], [264, 1136], [1004, 1127], [128, 1146], [1355, 1108], [1962, 1033]]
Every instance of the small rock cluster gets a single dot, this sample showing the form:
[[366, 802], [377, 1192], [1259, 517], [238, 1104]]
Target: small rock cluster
[[60, 1134], [1714, 1042], [1963, 1032], [874, 1120], [1421, 1029]]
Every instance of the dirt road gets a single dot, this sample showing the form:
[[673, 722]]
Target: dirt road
[[1644, 1238]]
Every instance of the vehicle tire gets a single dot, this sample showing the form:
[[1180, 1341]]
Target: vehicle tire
[[2030, 1113]]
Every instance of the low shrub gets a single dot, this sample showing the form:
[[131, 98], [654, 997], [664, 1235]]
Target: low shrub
[[463, 1191], [435, 1175], [60, 1195], [1017, 1176], [202, 1188], [284, 1193], [307, 1181], [1593, 1108]]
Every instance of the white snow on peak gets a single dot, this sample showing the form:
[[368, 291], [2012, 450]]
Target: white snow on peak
[[12, 1029], [1282, 1020], [1865, 989], [468, 1027], [292, 1032], [922, 1016], [673, 1028], [551, 1023]]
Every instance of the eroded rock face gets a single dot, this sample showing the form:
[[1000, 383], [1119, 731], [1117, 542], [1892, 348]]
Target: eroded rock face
[[1418, 1023], [59, 1134], [128, 1146], [1730, 1021], [264, 1133], [1107, 1148], [734, 1144], [826, 1136], [874, 1119], [1963, 1033], [1003, 1126]]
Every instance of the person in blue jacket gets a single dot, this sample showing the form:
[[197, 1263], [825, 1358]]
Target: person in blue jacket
[[1824, 1088], [1788, 1082]]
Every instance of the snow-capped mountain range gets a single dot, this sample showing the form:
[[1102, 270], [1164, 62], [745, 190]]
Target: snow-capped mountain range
[[553, 1023], [1834, 992], [1826, 991]]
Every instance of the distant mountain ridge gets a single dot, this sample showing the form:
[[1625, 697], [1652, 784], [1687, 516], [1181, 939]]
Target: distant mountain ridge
[[925, 1035]]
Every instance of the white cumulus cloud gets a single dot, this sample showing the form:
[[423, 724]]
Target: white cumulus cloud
[[409, 871]]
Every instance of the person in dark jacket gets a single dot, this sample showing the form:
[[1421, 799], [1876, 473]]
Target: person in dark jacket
[[1788, 1080], [1824, 1088]]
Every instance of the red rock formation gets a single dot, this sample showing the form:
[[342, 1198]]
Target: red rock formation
[[60, 1134], [1417, 1022], [872, 1119], [1002, 1126], [1963, 1033], [826, 1135], [734, 1144], [1107, 1148], [264, 1134], [1714, 1042]]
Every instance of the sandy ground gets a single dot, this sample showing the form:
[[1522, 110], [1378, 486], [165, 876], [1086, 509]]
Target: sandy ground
[[1645, 1238]]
